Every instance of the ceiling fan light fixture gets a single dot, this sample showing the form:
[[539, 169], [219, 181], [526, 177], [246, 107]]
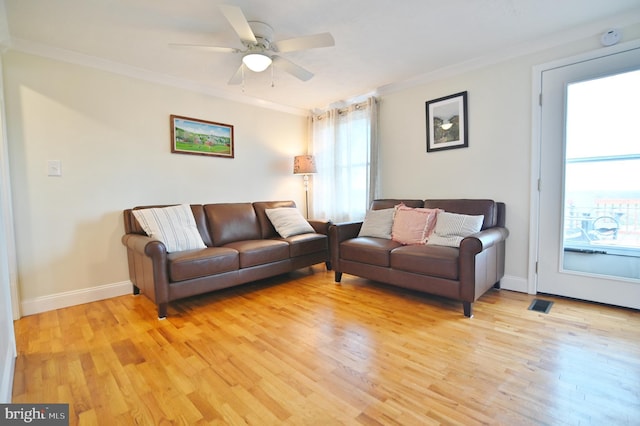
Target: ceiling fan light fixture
[[256, 62]]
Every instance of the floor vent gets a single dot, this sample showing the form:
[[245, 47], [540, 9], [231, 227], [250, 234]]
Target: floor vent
[[540, 306]]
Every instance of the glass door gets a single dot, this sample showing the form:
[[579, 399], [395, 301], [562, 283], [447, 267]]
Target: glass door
[[589, 219]]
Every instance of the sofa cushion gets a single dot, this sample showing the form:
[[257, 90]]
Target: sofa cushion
[[288, 221], [259, 252], [437, 261], [374, 251], [229, 222], [175, 226], [451, 228], [186, 265], [412, 225], [377, 223], [303, 244]]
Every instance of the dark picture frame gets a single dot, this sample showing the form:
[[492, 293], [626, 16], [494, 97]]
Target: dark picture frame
[[447, 123], [201, 137]]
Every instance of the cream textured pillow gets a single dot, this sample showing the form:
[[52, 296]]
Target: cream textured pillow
[[412, 225], [288, 221], [452, 228], [174, 226], [377, 223]]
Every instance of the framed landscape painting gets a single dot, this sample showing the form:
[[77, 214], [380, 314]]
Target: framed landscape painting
[[201, 137], [447, 123]]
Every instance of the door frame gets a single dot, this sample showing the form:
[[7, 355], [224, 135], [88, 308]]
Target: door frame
[[536, 130]]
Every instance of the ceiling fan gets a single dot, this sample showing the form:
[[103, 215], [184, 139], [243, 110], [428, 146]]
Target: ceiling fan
[[259, 50]]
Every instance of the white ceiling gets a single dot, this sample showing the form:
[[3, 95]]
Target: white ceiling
[[380, 44]]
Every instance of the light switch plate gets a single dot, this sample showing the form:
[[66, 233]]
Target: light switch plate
[[54, 168]]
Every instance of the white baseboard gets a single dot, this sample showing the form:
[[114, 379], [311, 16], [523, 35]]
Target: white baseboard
[[75, 297], [93, 294], [6, 375], [509, 282]]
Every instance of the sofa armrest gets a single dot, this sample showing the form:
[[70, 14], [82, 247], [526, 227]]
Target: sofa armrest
[[483, 240], [481, 262], [146, 246], [320, 226], [345, 230], [339, 232], [145, 250]]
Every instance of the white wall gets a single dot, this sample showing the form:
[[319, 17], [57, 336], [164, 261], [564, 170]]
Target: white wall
[[112, 135], [497, 163]]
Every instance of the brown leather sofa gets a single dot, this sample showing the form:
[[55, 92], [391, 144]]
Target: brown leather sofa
[[241, 246], [463, 273]]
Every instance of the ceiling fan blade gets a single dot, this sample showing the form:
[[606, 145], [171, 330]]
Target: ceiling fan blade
[[239, 23], [291, 68], [237, 77], [204, 47], [305, 42]]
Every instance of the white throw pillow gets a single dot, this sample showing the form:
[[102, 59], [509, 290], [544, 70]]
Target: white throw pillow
[[452, 228], [175, 226], [377, 223], [288, 221]]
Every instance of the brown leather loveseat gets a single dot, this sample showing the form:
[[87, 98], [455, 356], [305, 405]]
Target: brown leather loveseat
[[240, 245], [461, 273]]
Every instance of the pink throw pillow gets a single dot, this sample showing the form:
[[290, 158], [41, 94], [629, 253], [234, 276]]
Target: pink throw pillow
[[413, 225]]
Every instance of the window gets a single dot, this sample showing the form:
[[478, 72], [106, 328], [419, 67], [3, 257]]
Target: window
[[345, 148], [602, 170]]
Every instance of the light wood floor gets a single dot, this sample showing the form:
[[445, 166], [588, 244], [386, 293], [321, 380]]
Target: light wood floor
[[301, 350]]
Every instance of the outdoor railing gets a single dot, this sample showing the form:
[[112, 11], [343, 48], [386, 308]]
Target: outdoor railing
[[607, 218]]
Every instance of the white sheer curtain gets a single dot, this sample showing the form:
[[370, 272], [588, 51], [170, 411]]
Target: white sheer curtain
[[344, 142]]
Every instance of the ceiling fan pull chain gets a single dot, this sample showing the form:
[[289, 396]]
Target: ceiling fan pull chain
[[242, 72], [272, 83]]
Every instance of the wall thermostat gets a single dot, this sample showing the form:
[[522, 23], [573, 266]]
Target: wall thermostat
[[610, 37]]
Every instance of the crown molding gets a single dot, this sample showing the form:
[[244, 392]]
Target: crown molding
[[592, 30], [63, 55]]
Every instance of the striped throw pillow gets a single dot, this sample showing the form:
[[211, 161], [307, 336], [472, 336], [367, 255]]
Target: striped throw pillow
[[174, 226], [452, 228]]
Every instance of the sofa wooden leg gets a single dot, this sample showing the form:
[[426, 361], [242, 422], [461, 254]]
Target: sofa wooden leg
[[328, 265], [497, 285], [468, 309], [136, 290], [338, 276]]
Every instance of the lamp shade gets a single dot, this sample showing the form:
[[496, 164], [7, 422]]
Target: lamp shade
[[304, 165], [257, 62]]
